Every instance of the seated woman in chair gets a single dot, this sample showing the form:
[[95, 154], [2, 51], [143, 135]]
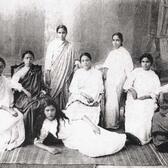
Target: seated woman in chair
[[160, 122], [141, 101], [31, 78], [12, 131], [85, 89]]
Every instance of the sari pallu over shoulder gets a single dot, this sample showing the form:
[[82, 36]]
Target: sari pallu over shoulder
[[32, 82], [61, 71]]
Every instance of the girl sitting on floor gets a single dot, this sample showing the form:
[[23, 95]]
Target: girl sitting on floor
[[81, 135]]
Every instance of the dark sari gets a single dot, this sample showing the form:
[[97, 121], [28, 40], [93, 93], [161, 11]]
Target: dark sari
[[160, 128], [30, 107]]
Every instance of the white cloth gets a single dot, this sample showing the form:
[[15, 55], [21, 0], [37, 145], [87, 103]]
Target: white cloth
[[119, 64], [89, 82], [79, 135], [12, 131], [59, 61], [6, 93], [20, 74], [139, 113], [163, 89], [54, 48]]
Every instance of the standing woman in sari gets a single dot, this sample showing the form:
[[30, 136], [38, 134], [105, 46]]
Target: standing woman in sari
[[30, 76], [59, 63], [117, 67]]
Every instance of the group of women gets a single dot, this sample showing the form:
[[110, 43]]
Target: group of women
[[66, 103]]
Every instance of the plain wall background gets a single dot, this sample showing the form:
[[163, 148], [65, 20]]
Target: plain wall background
[[31, 24]]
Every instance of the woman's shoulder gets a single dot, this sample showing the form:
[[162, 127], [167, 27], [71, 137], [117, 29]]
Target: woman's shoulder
[[79, 71], [125, 51], [47, 124], [154, 74], [137, 70], [96, 71]]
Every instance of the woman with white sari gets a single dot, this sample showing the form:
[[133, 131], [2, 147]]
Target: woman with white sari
[[12, 133], [141, 86], [117, 67], [85, 89], [59, 64]]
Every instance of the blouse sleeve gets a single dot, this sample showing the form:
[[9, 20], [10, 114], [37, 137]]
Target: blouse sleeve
[[163, 89], [48, 58], [15, 85], [157, 88], [107, 61], [129, 81], [128, 65], [98, 87], [43, 134], [73, 88]]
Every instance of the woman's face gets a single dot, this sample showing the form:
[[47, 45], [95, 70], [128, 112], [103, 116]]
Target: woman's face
[[1, 68], [86, 62], [61, 34], [116, 42], [50, 112], [28, 59], [146, 64]]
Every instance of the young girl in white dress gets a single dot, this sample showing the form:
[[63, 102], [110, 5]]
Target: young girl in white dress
[[12, 132], [81, 135]]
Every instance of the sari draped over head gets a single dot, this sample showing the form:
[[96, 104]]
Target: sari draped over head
[[12, 133], [89, 82], [32, 80], [60, 61]]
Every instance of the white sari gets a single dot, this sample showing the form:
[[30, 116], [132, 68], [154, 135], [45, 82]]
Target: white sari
[[139, 113], [89, 82], [79, 135], [119, 64], [12, 132], [59, 61]]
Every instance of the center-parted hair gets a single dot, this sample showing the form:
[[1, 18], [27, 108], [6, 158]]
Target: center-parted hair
[[28, 52], [148, 56], [120, 36], [58, 116], [85, 54], [62, 27]]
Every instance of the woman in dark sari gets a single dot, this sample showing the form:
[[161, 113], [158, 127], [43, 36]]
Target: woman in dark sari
[[31, 78], [160, 122]]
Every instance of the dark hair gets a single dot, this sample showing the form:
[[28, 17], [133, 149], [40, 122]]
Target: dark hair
[[62, 27], [28, 52], [3, 61], [59, 116], [85, 54], [120, 36], [146, 55]]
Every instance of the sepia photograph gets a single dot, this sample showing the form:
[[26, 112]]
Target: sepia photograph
[[83, 83]]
